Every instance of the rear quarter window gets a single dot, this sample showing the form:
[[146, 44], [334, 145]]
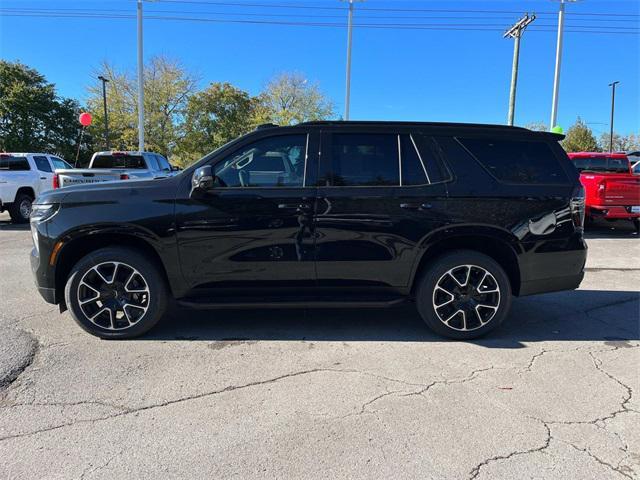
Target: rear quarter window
[[9, 162], [516, 161]]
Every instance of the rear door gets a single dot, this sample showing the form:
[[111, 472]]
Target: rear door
[[375, 206], [45, 173], [254, 228]]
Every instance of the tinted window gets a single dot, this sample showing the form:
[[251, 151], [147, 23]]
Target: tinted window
[[152, 162], [431, 155], [42, 163], [270, 162], [602, 164], [163, 163], [514, 161], [363, 159], [8, 162], [413, 171], [58, 163], [119, 161]]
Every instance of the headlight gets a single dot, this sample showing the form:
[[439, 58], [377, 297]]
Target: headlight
[[43, 211]]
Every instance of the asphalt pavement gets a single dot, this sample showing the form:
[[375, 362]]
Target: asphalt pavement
[[553, 393]]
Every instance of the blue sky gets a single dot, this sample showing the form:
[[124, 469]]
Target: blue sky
[[430, 75]]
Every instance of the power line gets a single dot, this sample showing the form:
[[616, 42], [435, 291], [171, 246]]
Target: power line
[[387, 26]]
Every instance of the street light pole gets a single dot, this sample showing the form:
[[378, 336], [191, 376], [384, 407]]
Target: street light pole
[[106, 117], [347, 95], [516, 32], [140, 82], [556, 75], [613, 101]]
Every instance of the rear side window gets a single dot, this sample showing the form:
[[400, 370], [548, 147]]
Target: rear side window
[[119, 161], [42, 163], [363, 159], [9, 162], [153, 164], [431, 156], [515, 161]]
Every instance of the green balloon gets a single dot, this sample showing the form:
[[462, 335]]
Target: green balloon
[[557, 129]]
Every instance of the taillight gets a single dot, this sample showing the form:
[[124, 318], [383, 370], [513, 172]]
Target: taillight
[[56, 181], [577, 207], [124, 176]]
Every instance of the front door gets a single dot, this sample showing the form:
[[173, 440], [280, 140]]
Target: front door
[[45, 173], [376, 205], [254, 228]]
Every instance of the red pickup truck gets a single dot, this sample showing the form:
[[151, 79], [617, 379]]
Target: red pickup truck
[[612, 191]]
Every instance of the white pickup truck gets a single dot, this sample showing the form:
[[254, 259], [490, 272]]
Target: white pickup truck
[[23, 176], [114, 166]]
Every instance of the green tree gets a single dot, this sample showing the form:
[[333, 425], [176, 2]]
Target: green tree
[[621, 143], [579, 138], [167, 87], [213, 117], [289, 98], [32, 117]]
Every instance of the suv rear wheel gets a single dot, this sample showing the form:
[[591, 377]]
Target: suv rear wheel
[[116, 293], [21, 208], [464, 295]]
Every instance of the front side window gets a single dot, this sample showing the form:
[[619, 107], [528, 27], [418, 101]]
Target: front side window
[[517, 161], [363, 159], [42, 163], [59, 164], [270, 162]]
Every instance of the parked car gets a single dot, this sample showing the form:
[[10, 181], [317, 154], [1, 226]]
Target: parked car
[[113, 166], [456, 217], [612, 189], [23, 176]]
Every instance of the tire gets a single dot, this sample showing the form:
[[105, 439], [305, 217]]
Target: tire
[[484, 306], [121, 289], [21, 208]]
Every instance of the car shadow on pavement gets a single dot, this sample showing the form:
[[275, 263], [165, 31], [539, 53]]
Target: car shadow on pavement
[[583, 315], [604, 229], [8, 225]]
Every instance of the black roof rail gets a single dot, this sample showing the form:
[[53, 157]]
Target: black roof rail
[[408, 123], [266, 125]]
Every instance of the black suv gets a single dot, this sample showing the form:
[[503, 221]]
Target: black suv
[[324, 214]]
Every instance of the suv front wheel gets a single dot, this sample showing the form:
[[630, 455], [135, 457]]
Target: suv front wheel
[[464, 295], [116, 293]]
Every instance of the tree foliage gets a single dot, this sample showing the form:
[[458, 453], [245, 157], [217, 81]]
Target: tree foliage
[[537, 126], [621, 143], [33, 118], [579, 138], [213, 117], [289, 98], [167, 87]]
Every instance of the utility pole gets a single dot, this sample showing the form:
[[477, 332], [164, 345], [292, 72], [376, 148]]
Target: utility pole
[[140, 82], [556, 76], [106, 117], [516, 32], [613, 101], [347, 95]]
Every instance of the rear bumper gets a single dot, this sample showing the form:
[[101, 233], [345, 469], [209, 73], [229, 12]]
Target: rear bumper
[[553, 266], [611, 211]]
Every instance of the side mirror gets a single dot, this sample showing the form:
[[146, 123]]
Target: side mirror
[[202, 180]]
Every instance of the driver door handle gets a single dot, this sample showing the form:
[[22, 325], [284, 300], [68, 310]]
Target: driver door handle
[[416, 206]]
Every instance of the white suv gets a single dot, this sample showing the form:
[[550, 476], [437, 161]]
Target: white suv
[[23, 176]]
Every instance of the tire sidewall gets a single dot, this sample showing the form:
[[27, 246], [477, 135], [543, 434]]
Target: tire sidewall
[[424, 294], [151, 274], [16, 213]]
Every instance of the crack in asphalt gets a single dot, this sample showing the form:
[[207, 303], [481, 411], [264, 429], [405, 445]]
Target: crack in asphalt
[[91, 469], [599, 460]]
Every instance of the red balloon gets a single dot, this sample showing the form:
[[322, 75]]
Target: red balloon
[[85, 119]]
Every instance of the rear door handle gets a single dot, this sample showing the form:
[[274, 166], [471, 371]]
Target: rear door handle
[[300, 207], [415, 206], [43, 178]]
